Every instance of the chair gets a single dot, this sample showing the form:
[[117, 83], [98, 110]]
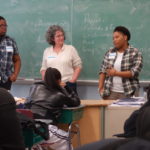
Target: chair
[[30, 137], [70, 116]]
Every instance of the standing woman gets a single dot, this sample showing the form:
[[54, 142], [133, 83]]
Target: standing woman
[[120, 68], [63, 57]]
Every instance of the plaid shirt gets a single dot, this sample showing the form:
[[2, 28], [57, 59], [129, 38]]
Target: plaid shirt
[[131, 61], [8, 49]]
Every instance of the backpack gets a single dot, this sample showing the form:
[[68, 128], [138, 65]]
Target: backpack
[[39, 127]]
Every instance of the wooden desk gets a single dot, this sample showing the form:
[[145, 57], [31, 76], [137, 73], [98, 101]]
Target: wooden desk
[[92, 122]]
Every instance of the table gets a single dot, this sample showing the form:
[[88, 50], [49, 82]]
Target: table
[[115, 117], [92, 122]]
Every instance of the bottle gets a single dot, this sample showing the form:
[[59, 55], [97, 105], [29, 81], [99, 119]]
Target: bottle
[[145, 96]]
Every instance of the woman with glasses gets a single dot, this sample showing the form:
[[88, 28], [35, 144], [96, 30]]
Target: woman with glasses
[[61, 56]]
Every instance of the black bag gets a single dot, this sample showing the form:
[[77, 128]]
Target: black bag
[[28, 123]]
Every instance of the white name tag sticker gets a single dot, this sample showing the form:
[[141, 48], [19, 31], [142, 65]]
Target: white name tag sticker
[[51, 56], [9, 48], [112, 55]]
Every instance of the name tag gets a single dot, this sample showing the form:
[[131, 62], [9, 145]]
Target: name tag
[[9, 48], [51, 56], [112, 55]]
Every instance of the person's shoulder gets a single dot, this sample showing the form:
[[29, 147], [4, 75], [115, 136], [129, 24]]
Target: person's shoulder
[[40, 87], [111, 50], [7, 37], [69, 47], [50, 48], [134, 50], [39, 84]]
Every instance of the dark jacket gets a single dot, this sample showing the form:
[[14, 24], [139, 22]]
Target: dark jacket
[[10, 130], [143, 124], [47, 104]]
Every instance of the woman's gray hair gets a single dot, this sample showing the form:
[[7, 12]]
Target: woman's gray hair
[[51, 33]]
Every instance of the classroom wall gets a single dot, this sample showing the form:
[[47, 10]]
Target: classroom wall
[[84, 91], [87, 90]]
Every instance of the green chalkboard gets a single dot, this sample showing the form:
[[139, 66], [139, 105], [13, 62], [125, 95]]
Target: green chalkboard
[[28, 21], [88, 25]]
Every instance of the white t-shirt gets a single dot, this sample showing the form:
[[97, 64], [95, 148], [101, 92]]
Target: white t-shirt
[[65, 61], [117, 81]]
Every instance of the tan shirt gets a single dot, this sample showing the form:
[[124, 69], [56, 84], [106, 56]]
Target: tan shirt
[[65, 61]]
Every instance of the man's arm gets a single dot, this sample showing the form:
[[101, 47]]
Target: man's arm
[[101, 82], [17, 66]]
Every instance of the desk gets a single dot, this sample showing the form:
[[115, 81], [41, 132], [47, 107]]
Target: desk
[[92, 124], [115, 117]]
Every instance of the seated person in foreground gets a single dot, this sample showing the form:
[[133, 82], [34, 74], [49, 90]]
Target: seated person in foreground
[[10, 129], [141, 141], [46, 100]]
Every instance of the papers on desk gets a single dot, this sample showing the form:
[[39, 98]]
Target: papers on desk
[[19, 100], [136, 101]]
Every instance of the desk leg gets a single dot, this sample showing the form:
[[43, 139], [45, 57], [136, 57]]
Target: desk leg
[[74, 130], [102, 114]]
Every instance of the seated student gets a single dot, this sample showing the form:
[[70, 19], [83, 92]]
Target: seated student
[[10, 131], [46, 99]]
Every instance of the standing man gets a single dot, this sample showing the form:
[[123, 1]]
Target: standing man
[[10, 62]]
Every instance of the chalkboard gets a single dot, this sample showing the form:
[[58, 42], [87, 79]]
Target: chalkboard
[[88, 25]]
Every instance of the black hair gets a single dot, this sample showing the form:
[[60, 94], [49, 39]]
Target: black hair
[[51, 78], [2, 18], [123, 30]]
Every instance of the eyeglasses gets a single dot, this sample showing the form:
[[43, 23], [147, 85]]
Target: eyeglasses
[[3, 25], [58, 36]]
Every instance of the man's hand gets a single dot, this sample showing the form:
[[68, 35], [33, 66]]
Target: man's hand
[[101, 91], [111, 72], [13, 77]]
